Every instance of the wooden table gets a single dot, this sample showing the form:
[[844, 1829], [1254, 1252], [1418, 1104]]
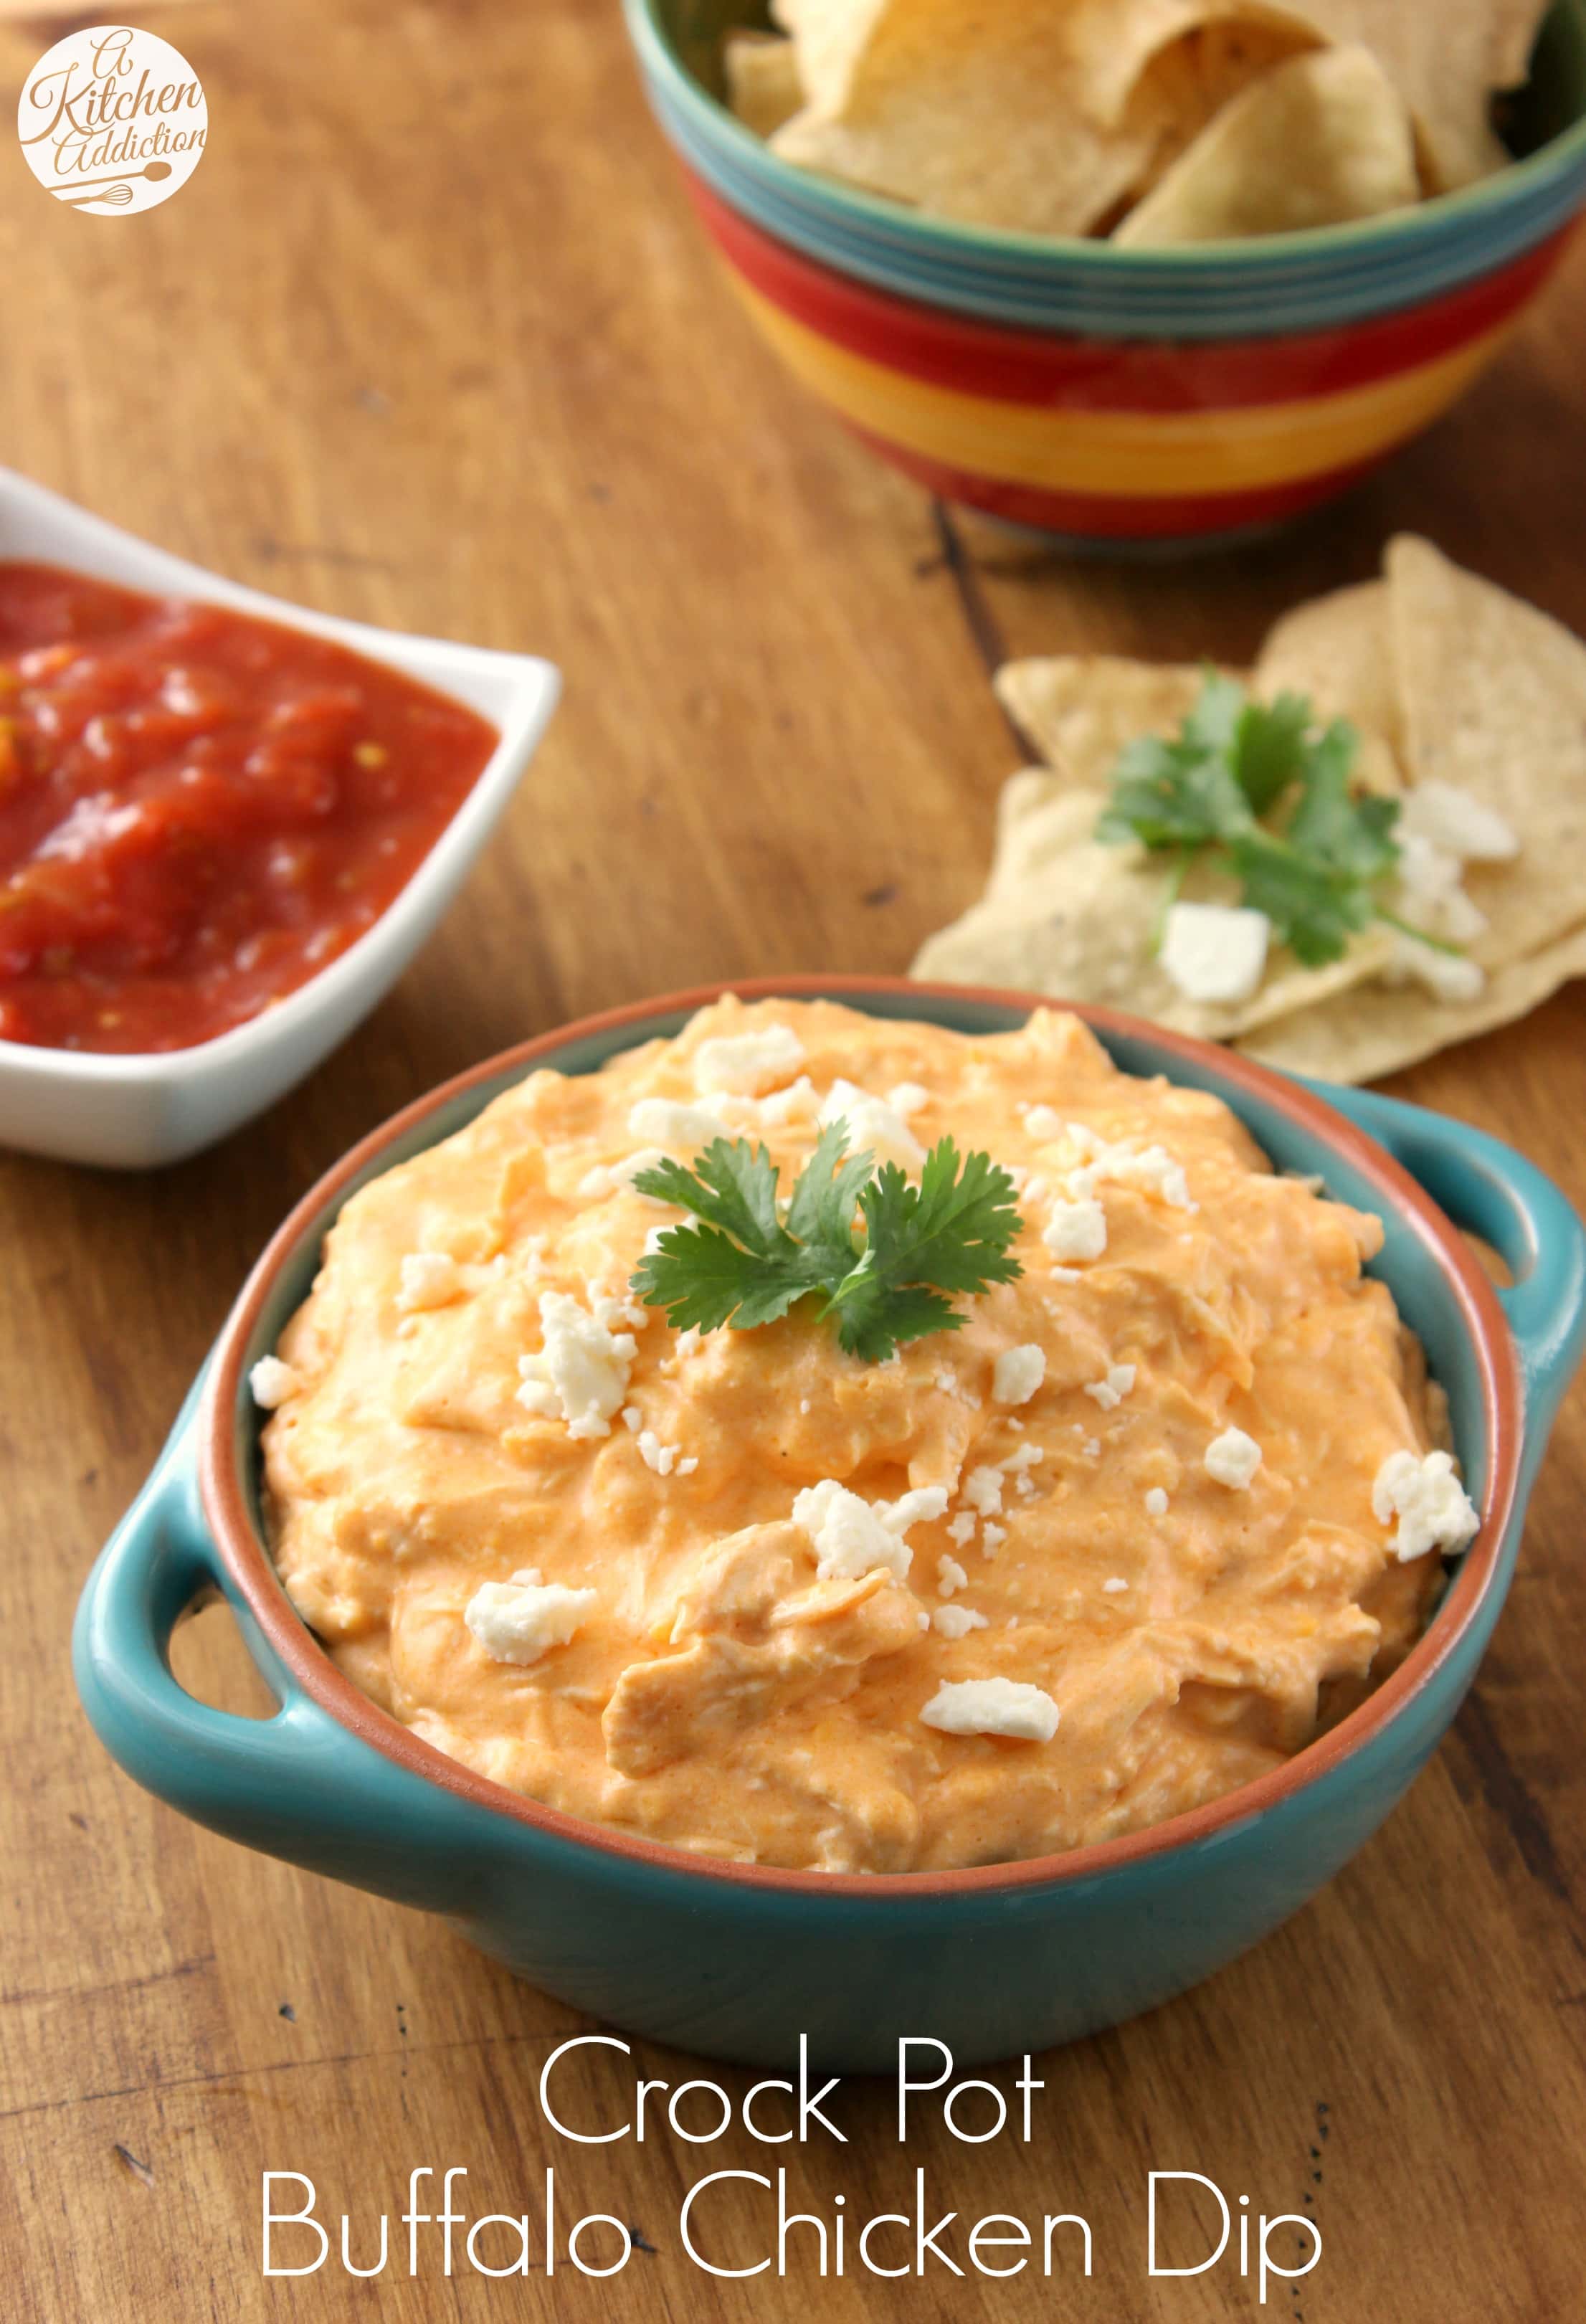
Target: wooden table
[[431, 340]]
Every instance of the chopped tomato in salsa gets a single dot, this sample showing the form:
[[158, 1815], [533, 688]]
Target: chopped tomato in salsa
[[198, 809]]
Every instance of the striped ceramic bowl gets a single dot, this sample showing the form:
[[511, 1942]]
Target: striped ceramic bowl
[[1118, 397]]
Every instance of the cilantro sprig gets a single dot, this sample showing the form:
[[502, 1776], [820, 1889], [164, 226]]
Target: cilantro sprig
[[1255, 788], [875, 1256]]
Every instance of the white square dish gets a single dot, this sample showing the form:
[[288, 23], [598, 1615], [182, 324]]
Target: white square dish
[[136, 1111]]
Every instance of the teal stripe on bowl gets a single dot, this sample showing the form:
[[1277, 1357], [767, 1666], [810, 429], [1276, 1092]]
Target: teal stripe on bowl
[[1280, 284]]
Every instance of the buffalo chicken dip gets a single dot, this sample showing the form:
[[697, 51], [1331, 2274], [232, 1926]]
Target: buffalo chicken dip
[[1083, 1549]]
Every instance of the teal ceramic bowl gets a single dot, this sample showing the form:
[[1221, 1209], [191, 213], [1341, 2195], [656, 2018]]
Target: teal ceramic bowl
[[1112, 397], [738, 1961]]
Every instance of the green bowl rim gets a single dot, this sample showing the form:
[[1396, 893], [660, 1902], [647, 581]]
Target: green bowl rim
[[952, 237]]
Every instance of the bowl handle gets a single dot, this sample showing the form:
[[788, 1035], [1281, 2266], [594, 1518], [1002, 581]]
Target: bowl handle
[[1490, 1191], [298, 1785]]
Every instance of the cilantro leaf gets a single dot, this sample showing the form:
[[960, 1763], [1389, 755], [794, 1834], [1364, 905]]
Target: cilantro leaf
[[1314, 906], [881, 1255], [1251, 788], [1356, 835]]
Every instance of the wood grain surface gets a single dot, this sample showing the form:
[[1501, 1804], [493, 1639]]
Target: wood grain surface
[[431, 340]]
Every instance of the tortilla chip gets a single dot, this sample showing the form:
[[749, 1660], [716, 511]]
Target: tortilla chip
[[1227, 42], [1383, 1027], [940, 110], [980, 114], [1317, 141], [1079, 710], [1494, 695], [1335, 652], [829, 39], [1067, 916], [763, 85], [1444, 58]]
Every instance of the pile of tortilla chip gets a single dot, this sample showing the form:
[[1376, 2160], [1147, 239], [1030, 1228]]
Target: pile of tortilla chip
[[1471, 708], [1154, 121]]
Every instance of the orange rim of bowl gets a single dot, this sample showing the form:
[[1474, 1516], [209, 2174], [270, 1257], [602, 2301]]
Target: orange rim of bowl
[[249, 1564]]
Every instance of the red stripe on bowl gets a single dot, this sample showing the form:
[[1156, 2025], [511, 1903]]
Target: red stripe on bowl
[[1100, 374]]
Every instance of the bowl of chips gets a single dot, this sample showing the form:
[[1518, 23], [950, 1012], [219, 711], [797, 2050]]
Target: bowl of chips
[[1146, 273]]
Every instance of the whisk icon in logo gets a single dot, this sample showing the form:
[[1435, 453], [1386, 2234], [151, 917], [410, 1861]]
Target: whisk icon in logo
[[112, 120]]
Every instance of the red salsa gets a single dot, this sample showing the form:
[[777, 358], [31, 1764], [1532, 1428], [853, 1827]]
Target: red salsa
[[198, 809]]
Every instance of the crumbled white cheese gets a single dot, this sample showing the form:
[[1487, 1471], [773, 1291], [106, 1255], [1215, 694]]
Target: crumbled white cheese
[[992, 1537], [1076, 1230], [1092, 1447], [747, 1064], [946, 1383], [632, 1418], [663, 1458], [1215, 952], [617, 1178], [960, 1529], [1111, 1391], [950, 1576], [1431, 891], [1446, 976], [851, 1537], [1453, 819], [1149, 1168], [957, 1621], [429, 1278], [1232, 1458], [908, 1098], [1114, 1584], [798, 1102], [874, 1127], [1156, 1502], [1023, 1456], [1017, 1373], [1433, 1508], [580, 1374], [993, 1706], [664, 1121], [519, 1620], [983, 1490], [1043, 1123], [272, 1382]]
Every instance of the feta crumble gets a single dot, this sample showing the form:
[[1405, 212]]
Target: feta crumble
[[429, 1278], [983, 1490], [1110, 1392], [1017, 1373], [992, 1537], [874, 1125], [664, 1459], [798, 1102], [1232, 1458], [617, 1178], [957, 1621], [851, 1537], [1076, 1230], [1446, 976], [993, 1706], [1215, 952], [960, 1530], [1151, 1169], [908, 1098], [1114, 1584], [664, 1121], [1456, 820], [1156, 1502], [1433, 1508], [748, 1063], [580, 1374], [272, 1382], [950, 1576], [519, 1620]]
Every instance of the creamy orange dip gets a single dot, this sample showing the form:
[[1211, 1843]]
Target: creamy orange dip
[[1175, 1490]]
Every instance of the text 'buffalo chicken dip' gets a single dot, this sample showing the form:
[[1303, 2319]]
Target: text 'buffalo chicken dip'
[[1156, 1510]]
